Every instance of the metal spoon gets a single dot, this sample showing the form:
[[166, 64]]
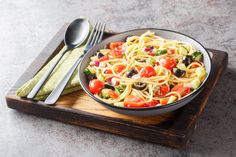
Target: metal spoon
[[75, 35]]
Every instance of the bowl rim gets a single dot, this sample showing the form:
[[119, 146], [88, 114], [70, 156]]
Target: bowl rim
[[196, 92]]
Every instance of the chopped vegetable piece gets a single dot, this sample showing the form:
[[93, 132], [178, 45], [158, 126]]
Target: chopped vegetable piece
[[108, 71], [195, 83], [160, 52], [148, 71], [104, 58], [201, 72], [87, 71], [151, 103], [151, 61], [109, 86], [116, 48], [116, 45], [172, 99], [120, 89], [95, 86], [183, 51], [168, 63], [164, 101], [171, 51], [134, 102], [105, 93], [100, 77], [119, 68], [164, 89], [197, 55], [113, 94], [148, 49], [181, 89]]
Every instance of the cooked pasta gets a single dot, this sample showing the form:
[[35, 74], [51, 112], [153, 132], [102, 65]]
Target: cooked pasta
[[145, 71]]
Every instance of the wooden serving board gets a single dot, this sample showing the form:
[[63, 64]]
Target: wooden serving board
[[170, 129]]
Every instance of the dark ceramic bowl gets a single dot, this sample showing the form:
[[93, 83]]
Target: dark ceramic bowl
[[151, 111]]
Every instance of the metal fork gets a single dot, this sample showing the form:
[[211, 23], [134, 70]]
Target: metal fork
[[94, 38]]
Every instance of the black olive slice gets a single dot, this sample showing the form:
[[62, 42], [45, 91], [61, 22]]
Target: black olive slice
[[100, 55], [131, 73], [187, 60], [139, 85], [91, 76], [178, 72], [109, 86]]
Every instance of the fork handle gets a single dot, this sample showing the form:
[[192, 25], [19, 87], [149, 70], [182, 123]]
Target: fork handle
[[40, 83], [54, 95]]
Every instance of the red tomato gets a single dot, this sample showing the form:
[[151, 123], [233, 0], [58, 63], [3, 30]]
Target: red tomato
[[95, 86], [152, 103], [134, 102], [108, 71], [119, 68], [147, 71], [164, 101], [194, 65], [113, 94], [168, 63], [116, 53], [104, 58], [170, 51], [116, 48], [181, 89], [115, 44], [164, 89]]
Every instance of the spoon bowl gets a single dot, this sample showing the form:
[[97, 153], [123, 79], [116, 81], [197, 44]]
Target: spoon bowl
[[75, 35]]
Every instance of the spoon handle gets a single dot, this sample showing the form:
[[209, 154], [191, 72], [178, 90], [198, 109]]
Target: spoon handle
[[40, 83], [54, 95]]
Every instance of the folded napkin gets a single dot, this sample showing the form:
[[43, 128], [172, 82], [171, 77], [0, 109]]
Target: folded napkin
[[60, 70]]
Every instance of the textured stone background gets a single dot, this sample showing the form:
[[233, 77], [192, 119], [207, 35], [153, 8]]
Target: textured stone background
[[27, 25]]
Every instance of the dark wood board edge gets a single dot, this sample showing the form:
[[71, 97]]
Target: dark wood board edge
[[179, 139], [98, 122], [187, 130]]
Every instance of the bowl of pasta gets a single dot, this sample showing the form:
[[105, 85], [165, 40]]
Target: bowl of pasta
[[145, 72]]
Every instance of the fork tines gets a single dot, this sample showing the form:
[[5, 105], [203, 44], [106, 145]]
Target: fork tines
[[95, 35]]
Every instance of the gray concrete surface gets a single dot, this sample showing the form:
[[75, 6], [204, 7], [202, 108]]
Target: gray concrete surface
[[27, 25]]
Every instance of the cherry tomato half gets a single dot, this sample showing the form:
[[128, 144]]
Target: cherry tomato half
[[164, 101], [168, 63], [119, 68], [134, 102], [104, 58], [114, 45], [113, 94], [116, 53], [170, 51], [147, 71], [181, 89], [164, 89], [95, 86], [151, 103], [108, 71]]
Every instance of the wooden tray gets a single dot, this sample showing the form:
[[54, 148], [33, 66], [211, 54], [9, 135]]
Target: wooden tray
[[171, 129]]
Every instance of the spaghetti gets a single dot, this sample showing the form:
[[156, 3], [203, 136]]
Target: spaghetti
[[145, 71]]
